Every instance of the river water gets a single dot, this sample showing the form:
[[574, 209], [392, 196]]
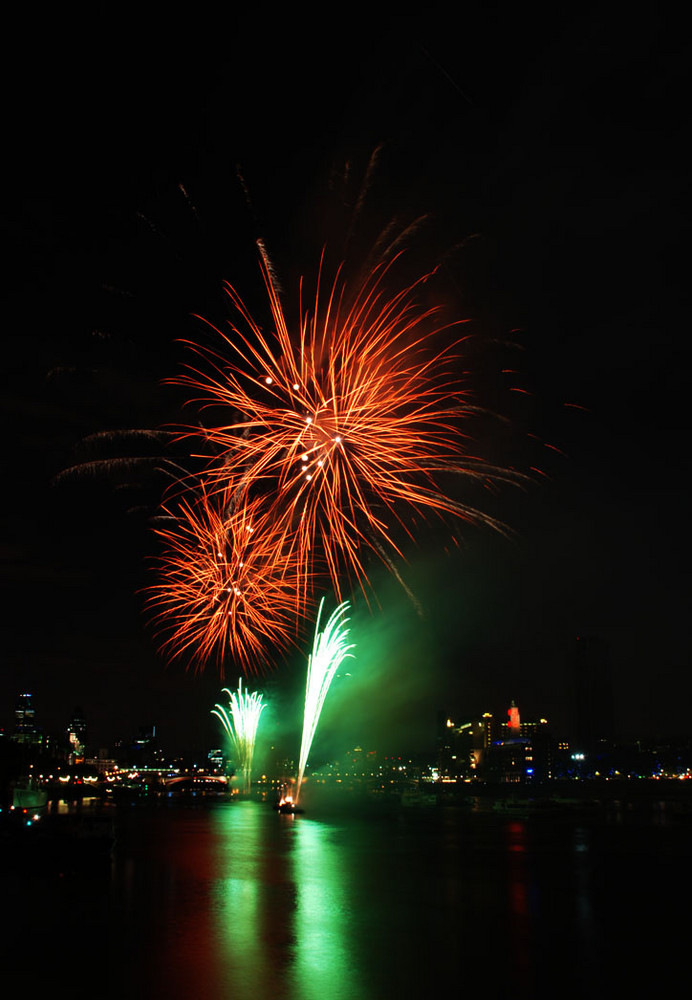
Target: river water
[[231, 901]]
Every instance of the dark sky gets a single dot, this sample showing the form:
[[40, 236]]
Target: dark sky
[[551, 154]]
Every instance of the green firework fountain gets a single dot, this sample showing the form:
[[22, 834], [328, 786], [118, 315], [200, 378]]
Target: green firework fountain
[[329, 650], [241, 726]]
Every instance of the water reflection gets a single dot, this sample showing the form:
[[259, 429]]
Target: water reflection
[[232, 901], [519, 883], [252, 902], [323, 963], [281, 907], [585, 923]]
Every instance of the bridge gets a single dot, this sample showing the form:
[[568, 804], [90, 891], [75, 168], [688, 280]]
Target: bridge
[[197, 779]]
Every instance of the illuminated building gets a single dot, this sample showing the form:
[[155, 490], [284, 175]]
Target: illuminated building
[[511, 761], [488, 749], [76, 735], [447, 751], [25, 729], [514, 724], [462, 747], [523, 753], [482, 734]]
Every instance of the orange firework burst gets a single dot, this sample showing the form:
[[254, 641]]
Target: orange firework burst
[[345, 424], [225, 588]]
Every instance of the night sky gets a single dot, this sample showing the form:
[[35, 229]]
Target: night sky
[[550, 159]]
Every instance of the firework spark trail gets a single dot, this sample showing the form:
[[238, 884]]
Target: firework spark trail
[[329, 649], [225, 585], [345, 426], [241, 726]]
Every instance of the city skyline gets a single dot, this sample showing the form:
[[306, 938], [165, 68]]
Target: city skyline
[[588, 728]]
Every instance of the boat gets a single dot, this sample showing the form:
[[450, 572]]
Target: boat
[[27, 795], [287, 807]]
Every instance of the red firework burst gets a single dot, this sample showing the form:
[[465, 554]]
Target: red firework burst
[[344, 424], [225, 586]]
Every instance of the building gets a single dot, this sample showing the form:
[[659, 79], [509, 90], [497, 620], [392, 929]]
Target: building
[[25, 729], [462, 747], [593, 713], [523, 753], [77, 736]]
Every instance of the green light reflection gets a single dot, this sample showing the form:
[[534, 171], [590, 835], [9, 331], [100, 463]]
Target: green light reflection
[[282, 908], [246, 963], [323, 964]]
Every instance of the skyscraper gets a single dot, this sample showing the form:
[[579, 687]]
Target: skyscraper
[[25, 729], [77, 734], [593, 692]]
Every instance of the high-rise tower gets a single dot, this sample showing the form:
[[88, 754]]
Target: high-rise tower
[[514, 723], [593, 692], [25, 729], [77, 733]]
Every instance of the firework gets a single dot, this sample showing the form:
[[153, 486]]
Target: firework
[[345, 424], [225, 587], [241, 727], [329, 649]]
